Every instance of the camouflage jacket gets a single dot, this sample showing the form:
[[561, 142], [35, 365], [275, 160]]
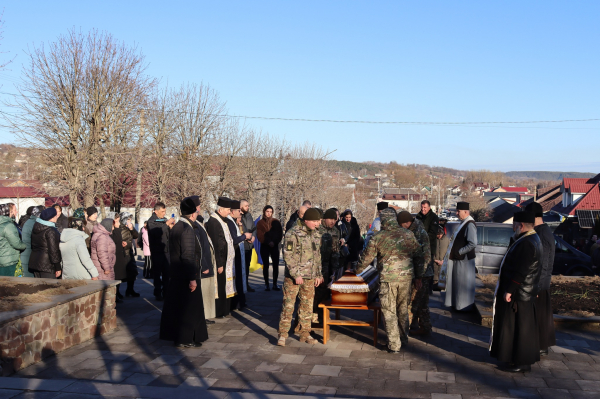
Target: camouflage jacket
[[425, 263], [396, 249], [302, 252], [330, 249]]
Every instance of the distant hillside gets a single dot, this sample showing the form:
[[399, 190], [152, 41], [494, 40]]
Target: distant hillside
[[356, 168], [540, 175]]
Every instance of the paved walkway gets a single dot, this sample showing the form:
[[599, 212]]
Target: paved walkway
[[241, 360]]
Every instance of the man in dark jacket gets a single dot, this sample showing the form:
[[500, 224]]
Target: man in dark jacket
[[430, 222], [182, 320], [46, 259], [247, 227], [515, 337], [158, 237], [543, 303]]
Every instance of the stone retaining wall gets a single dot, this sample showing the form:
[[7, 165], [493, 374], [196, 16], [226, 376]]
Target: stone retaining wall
[[69, 321]]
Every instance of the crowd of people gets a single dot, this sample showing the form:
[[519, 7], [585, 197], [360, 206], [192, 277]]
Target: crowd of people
[[200, 268]]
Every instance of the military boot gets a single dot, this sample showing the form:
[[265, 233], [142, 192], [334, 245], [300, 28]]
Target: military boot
[[281, 341], [308, 339]]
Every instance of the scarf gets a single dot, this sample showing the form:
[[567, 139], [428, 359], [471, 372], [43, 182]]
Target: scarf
[[230, 290], [444, 270], [45, 222], [530, 232], [212, 255], [242, 252]]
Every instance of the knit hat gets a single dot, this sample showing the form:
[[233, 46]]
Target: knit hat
[[312, 214], [404, 217], [524, 217], [107, 223], [187, 206], [48, 213], [535, 208], [330, 214], [91, 210], [37, 210], [462, 206], [4, 210], [78, 213], [382, 205]]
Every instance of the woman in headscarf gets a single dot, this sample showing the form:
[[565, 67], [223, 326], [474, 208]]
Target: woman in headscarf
[[270, 233], [103, 250]]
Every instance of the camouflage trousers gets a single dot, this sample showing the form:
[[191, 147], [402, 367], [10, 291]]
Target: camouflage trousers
[[394, 299], [306, 293], [419, 310]]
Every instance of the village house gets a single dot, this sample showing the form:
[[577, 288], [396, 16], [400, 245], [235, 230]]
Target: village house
[[580, 197]]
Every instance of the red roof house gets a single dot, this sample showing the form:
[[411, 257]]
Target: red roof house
[[580, 197]]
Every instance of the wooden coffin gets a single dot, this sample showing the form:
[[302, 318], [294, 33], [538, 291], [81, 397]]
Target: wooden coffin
[[353, 290]]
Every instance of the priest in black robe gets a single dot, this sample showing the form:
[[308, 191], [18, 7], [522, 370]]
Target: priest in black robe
[[543, 302], [239, 301], [217, 233], [515, 339], [182, 319]]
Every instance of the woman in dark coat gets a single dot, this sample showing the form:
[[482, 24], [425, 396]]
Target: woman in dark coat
[[128, 234], [270, 233], [46, 259], [350, 233], [182, 319], [121, 256]]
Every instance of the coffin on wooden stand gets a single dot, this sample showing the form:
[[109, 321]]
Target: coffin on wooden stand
[[355, 289]]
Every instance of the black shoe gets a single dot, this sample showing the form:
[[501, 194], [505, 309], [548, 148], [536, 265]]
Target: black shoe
[[132, 294], [159, 298], [119, 295], [118, 300], [250, 289], [192, 345], [276, 288], [543, 352], [518, 369], [210, 322], [267, 289]]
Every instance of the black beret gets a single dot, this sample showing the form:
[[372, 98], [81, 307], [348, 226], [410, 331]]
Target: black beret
[[382, 205], [187, 206], [536, 209], [524, 217], [462, 206]]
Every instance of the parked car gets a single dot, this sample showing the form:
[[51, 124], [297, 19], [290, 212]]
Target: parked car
[[493, 240]]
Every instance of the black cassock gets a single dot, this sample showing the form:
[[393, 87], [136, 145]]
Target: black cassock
[[182, 319], [217, 236], [543, 303], [240, 299], [515, 334]]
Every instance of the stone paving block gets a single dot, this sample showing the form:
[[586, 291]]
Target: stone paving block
[[563, 349], [549, 393], [577, 343], [113, 376], [338, 352], [262, 386], [30, 395], [320, 390], [447, 378], [287, 358], [33, 384], [217, 363], [589, 375], [552, 364], [167, 359], [382, 374], [585, 394], [445, 396], [589, 385], [270, 367], [139, 379], [292, 368], [412, 375], [524, 393], [235, 333], [330, 371], [289, 389], [561, 383]]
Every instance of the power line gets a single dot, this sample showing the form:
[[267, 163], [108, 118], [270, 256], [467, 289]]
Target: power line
[[364, 121]]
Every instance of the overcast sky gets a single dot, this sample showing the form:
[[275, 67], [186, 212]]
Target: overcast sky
[[370, 61]]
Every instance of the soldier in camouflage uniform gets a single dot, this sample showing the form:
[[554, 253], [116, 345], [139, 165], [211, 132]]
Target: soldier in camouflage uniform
[[399, 257], [330, 256], [420, 319], [302, 255]]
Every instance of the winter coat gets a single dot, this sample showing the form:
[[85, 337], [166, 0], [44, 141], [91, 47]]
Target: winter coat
[[520, 272], [77, 263], [121, 255], [89, 229], [158, 234], [45, 250], [185, 252], [431, 224], [548, 251], [249, 227], [145, 242], [292, 222], [441, 247], [266, 235], [10, 242], [22, 220], [26, 237], [103, 253]]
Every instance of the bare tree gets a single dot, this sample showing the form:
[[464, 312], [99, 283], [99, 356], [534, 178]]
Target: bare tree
[[80, 95]]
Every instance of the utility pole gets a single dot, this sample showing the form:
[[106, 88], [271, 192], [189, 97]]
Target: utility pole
[[138, 189]]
